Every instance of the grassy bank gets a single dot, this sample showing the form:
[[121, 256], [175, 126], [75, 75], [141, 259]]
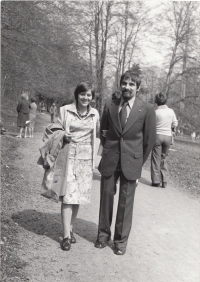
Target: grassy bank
[[184, 164]]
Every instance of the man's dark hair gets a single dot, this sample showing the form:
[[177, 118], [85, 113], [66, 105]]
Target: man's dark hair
[[133, 74], [32, 100], [116, 95], [160, 99]]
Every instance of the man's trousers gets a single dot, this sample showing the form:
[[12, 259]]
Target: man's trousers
[[124, 211]]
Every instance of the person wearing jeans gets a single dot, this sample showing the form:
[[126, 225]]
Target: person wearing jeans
[[165, 121]]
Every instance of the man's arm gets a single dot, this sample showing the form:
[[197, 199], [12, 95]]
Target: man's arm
[[149, 133]]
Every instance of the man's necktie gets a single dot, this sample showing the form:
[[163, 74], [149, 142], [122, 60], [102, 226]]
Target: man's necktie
[[123, 114]]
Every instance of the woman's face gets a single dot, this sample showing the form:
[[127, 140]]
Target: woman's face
[[85, 98]]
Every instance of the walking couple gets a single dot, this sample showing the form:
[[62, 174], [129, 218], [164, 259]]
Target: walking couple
[[127, 134]]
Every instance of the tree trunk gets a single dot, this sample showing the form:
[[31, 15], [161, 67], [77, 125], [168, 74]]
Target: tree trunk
[[101, 46]]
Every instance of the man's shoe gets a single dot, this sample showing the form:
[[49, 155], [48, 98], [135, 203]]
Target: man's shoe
[[155, 184], [73, 239], [118, 251], [164, 184], [100, 245], [66, 244]]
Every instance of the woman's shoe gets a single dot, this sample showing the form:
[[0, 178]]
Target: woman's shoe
[[73, 239], [66, 244], [164, 184]]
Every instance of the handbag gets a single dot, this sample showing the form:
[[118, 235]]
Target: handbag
[[46, 190]]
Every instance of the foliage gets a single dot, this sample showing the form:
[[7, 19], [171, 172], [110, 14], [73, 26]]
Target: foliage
[[50, 46], [38, 54]]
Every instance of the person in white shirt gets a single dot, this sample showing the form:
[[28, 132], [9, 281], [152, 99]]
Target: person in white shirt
[[165, 121], [193, 136]]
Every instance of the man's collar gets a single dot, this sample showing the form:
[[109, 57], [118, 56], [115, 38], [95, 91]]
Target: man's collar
[[130, 102]]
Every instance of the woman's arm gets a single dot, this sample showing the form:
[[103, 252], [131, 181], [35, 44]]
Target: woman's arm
[[97, 124], [104, 124]]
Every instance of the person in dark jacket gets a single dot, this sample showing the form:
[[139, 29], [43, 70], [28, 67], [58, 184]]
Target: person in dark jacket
[[23, 114], [127, 133]]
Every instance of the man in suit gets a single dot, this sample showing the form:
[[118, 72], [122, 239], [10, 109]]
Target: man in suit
[[127, 133]]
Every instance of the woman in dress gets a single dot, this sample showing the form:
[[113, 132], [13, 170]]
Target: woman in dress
[[23, 114], [165, 121], [81, 123]]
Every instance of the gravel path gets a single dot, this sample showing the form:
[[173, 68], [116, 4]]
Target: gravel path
[[163, 244]]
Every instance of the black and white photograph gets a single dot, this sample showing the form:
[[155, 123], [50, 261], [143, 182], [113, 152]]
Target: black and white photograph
[[100, 141]]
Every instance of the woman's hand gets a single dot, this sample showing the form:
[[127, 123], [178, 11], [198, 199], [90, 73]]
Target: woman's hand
[[67, 136]]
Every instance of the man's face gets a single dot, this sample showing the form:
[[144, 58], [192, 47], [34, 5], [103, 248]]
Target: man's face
[[128, 88]]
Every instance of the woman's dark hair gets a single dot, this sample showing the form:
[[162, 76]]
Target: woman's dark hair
[[116, 95], [133, 76], [160, 99], [84, 87], [32, 100]]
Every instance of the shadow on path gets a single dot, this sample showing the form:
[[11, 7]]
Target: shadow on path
[[49, 224], [9, 134], [145, 181]]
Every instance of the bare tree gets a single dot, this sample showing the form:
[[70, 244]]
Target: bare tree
[[182, 27], [102, 20]]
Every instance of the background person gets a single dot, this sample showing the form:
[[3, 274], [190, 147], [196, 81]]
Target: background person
[[193, 136], [130, 136], [53, 112], [32, 116], [23, 114], [43, 108], [81, 123], [3, 130], [165, 121]]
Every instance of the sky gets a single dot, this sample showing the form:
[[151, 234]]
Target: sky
[[149, 46]]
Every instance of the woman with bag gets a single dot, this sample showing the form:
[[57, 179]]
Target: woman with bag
[[80, 123]]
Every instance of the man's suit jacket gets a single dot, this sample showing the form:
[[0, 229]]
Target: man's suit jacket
[[132, 144]]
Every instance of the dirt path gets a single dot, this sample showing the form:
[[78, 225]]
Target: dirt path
[[163, 244]]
